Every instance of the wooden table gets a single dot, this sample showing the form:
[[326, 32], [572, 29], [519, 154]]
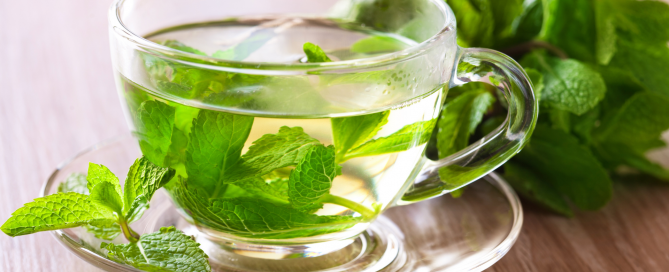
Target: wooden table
[[57, 96]]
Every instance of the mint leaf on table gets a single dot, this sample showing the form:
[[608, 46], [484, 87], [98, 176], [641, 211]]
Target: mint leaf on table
[[616, 154], [572, 169], [215, 146], [315, 53], [312, 178], [166, 250], [407, 137], [568, 84], [57, 211], [270, 152], [154, 129], [532, 187], [460, 117], [350, 132], [377, 44]]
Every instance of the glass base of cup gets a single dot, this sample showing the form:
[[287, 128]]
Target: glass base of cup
[[469, 233]]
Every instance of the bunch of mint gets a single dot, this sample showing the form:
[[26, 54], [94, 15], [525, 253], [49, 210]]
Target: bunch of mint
[[97, 202], [599, 69]]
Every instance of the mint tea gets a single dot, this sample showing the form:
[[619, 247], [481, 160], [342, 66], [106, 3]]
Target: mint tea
[[281, 155]]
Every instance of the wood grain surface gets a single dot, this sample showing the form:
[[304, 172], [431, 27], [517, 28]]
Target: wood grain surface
[[57, 97]]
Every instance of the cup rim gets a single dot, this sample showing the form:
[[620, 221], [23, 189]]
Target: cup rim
[[118, 27]]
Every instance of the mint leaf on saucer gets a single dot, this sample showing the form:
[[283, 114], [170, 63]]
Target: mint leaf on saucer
[[58, 211], [315, 53], [166, 250], [460, 117], [312, 178], [98, 173], [350, 132], [143, 180], [75, 182], [215, 146], [104, 194]]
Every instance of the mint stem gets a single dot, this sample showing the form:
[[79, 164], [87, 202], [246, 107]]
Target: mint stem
[[364, 211], [129, 234]]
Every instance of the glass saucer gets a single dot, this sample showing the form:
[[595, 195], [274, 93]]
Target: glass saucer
[[469, 233]]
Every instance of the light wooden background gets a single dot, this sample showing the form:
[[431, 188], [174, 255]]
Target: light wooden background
[[57, 97]]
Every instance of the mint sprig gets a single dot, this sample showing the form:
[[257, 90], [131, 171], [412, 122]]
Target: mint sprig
[[108, 211]]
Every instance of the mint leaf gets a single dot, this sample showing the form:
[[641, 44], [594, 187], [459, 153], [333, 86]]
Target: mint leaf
[[194, 201], [245, 48], [646, 62], [143, 180], [460, 117], [528, 25], [270, 187], [154, 129], [315, 53], [642, 118], [407, 137], [377, 44], [570, 25], [166, 250], [270, 152], [58, 211], [559, 159], [615, 154], [535, 189], [180, 46], [75, 182], [476, 23], [568, 84], [605, 24], [312, 178], [105, 194], [215, 146], [351, 132], [98, 173], [252, 217]]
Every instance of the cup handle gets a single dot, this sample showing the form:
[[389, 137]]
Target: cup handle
[[484, 156]]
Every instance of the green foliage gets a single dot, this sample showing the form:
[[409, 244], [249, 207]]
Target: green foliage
[[166, 250], [599, 70]]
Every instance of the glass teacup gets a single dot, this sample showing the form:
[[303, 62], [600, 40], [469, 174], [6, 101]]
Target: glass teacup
[[273, 150]]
